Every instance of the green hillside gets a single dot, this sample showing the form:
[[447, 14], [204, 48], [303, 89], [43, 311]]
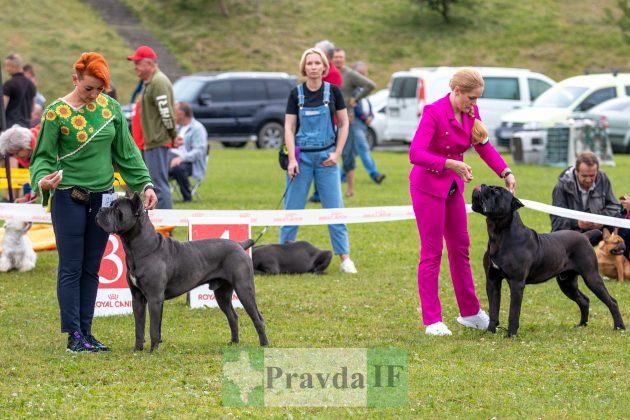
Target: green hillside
[[559, 38]]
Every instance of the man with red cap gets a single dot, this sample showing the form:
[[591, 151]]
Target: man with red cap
[[157, 119]]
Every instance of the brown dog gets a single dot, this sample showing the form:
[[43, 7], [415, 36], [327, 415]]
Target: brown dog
[[610, 259]]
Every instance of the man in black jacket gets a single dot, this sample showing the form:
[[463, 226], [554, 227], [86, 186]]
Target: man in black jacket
[[585, 188]]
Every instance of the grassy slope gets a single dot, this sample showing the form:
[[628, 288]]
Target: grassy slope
[[52, 34], [558, 38], [550, 370]]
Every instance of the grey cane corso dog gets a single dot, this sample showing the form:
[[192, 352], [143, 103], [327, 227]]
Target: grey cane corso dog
[[290, 258], [160, 268], [522, 256]]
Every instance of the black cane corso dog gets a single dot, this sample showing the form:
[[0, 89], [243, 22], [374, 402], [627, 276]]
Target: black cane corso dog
[[160, 268], [522, 256], [290, 258]]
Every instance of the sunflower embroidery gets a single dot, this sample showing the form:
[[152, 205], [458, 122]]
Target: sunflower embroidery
[[81, 111], [91, 107], [82, 136], [91, 129], [78, 122], [100, 99], [107, 114], [50, 115], [65, 130], [63, 111]]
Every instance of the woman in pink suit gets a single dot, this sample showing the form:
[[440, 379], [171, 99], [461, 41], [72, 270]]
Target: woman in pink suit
[[436, 183]]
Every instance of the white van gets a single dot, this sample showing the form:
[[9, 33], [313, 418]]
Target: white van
[[505, 89]]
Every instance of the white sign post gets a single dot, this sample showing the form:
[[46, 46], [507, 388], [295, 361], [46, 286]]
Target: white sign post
[[235, 228]]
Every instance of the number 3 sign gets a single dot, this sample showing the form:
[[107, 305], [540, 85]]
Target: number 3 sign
[[236, 229], [113, 296]]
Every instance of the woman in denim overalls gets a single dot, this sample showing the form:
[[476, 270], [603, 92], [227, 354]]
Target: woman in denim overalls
[[318, 155]]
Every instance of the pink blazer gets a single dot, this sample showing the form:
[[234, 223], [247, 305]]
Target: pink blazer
[[439, 137]]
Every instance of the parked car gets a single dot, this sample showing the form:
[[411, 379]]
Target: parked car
[[505, 89], [237, 107], [376, 129], [575, 94], [614, 116]]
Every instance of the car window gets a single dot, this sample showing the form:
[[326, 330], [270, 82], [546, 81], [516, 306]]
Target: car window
[[628, 90], [278, 89], [597, 97], [249, 90], [187, 89], [559, 96], [613, 105], [220, 91], [404, 87], [501, 88], [536, 88]]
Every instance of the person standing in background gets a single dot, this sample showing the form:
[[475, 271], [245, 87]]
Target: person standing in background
[[18, 93], [158, 121], [29, 72]]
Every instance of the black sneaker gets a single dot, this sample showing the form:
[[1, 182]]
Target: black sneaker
[[95, 343], [379, 178], [77, 343]]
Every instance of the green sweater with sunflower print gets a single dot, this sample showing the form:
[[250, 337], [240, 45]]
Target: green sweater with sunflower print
[[83, 142]]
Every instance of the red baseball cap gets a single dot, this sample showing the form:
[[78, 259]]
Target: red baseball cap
[[143, 51]]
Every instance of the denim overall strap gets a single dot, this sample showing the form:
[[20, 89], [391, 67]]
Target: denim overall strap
[[301, 95], [316, 132]]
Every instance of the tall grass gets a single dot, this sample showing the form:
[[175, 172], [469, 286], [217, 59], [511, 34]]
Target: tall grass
[[551, 369]]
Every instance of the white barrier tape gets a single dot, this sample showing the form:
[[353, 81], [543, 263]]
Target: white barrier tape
[[36, 213]]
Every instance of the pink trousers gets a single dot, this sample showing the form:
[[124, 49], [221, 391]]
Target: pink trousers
[[440, 219]]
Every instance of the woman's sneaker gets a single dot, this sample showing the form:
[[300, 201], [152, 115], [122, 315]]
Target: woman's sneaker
[[347, 266], [437, 328], [94, 342], [479, 321], [77, 343]]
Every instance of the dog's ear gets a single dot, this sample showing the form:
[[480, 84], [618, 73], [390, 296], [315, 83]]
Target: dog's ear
[[136, 204], [516, 203], [616, 232], [606, 234]]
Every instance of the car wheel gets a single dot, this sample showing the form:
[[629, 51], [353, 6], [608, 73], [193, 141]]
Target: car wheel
[[270, 136], [233, 143], [371, 138]]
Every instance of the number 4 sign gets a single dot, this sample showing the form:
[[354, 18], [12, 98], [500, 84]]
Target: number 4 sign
[[236, 229]]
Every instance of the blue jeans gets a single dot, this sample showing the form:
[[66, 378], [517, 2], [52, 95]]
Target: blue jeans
[[358, 145], [329, 187], [80, 245]]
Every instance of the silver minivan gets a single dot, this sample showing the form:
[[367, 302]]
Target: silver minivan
[[410, 90]]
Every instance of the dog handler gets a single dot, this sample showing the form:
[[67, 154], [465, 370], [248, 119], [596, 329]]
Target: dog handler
[[436, 183], [309, 126], [81, 134]]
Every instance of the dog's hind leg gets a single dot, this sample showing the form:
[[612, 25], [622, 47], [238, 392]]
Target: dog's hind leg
[[322, 262], [568, 283], [596, 285], [224, 299], [247, 295]]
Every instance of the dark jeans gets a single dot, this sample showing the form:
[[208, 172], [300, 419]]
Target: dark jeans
[[80, 244], [181, 173]]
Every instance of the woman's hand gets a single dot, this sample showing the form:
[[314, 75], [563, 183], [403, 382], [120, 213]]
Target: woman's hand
[[293, 169], [625, 202], [332, 160], [462, 169], [50, 181], [150, 199], [510, 183]]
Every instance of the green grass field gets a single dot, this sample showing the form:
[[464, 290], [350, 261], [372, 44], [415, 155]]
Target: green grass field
[[552, 369]]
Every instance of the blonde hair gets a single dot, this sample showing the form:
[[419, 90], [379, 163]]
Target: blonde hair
[[466, 79], [479, 132], [321, 55]]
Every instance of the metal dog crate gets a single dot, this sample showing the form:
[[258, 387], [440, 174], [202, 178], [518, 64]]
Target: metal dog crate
[[566, 142]]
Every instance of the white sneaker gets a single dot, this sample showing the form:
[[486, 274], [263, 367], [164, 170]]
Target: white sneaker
[[437, 328], [347, 266], [479, 321]]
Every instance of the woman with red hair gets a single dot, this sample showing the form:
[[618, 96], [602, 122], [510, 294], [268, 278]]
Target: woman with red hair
[[81, 134]]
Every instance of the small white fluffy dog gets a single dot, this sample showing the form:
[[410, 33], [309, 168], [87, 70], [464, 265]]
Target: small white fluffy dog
[[17, 248]]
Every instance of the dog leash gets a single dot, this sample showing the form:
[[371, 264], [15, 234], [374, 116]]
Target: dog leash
[[277, 206]]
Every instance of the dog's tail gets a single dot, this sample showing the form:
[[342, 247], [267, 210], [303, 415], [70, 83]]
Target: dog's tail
[[247, 244]]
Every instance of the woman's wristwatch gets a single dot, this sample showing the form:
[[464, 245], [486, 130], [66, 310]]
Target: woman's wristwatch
[[507, 173]]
